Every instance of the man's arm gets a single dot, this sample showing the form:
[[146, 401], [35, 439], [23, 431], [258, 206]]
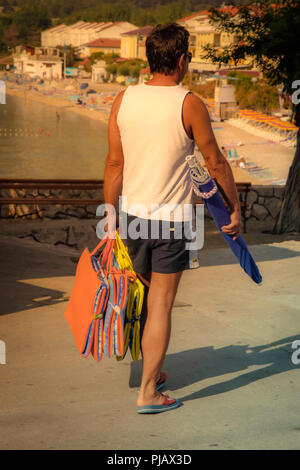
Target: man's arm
[[113, 173], [197, 123]]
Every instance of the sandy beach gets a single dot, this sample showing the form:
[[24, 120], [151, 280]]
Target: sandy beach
[[263, 161], [253, 158], [64, 102]]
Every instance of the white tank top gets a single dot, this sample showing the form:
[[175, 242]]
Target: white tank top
[[155, 145]]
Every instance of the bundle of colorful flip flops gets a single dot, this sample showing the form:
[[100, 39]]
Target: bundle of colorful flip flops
[[135, 297], [106, 302]]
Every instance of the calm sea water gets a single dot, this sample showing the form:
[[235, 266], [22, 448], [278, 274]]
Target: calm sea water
[[75, 147]]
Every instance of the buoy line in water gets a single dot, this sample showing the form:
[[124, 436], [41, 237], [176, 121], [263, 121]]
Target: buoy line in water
[[5, 132]]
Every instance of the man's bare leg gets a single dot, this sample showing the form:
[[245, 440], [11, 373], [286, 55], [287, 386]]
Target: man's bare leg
[[156, 333], [144, 311]]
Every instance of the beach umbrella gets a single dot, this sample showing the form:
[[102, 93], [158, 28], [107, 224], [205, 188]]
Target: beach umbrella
[[74, 97], [229, 153], [83, 86], [205, 187]]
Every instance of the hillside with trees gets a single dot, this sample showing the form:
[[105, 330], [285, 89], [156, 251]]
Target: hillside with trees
[[23, 20]]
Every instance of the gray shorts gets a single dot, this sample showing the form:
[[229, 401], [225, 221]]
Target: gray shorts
[[157, 247]]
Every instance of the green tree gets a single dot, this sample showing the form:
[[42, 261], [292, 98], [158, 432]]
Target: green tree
[[123, 69], [30, 18], [268, 32], [253, 93], [55, 8], [96, 56], [112, 68], [6, 7], [71, 56], [135, 71], [11, 36], [110, 58]]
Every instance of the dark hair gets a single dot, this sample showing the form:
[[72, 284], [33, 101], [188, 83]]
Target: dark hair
[[164, 46]]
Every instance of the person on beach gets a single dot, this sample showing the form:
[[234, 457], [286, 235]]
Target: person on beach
[[152, 128]]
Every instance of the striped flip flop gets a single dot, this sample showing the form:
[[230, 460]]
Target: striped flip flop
[[168, 404]]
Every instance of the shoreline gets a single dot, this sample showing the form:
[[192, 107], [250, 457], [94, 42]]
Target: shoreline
[[235, 133], [59, 103]]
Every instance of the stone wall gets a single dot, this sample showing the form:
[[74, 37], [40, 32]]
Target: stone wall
[[263, 203], [51, 211]]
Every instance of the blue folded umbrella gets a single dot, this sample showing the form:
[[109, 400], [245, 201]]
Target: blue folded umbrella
[[205, 187]]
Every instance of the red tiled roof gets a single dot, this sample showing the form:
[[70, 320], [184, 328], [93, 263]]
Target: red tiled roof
[[145, 71], [228, 9], [203, 12], [109, 25], [7, 60], [143, 31], [85, 61], [28, 46], [105, 42]]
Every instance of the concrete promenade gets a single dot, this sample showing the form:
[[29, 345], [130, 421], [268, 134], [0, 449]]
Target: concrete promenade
[[229, 359]]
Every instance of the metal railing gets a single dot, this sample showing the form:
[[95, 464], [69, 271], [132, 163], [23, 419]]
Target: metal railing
[[80, 184], [40, 184]]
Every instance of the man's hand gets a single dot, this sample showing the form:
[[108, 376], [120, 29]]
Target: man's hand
[[234, 227], [112, 224]]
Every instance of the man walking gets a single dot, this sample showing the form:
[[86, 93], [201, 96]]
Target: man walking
[[152, 128]]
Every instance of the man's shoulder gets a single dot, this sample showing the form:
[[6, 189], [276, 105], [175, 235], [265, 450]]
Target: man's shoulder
[[194, 110], [193, 98]]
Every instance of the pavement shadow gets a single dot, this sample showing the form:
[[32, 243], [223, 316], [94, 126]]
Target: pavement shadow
[[259, 253], [192, 366], [23, 269], [21, 296], [214, 239]]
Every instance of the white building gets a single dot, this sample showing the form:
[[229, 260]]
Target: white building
[[98, 71], [45, 62], [80, 34], [202, 32]]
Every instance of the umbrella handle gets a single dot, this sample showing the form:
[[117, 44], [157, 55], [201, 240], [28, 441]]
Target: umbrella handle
[[221, 191]]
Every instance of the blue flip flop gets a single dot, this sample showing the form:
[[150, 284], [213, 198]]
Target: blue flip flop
[[161, 382], [168, 404]]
